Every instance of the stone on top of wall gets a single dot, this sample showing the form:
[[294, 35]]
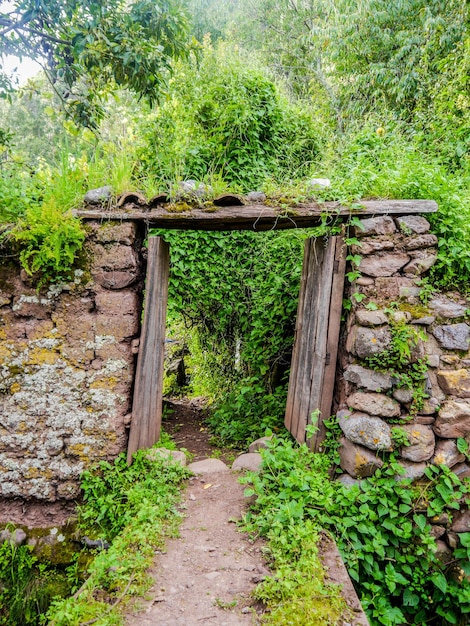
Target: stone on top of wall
[[383, 225], [414, 224]]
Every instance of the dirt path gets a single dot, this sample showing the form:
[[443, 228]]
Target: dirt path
[[207, 575]]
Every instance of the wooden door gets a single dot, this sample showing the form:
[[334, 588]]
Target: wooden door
[[316, 338], [148, 389]]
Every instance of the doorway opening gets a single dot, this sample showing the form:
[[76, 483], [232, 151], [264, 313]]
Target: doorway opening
[[317, 327]]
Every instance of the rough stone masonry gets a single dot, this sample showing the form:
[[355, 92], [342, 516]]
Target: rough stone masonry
[[396, 253], [67, 367], [66, 374]]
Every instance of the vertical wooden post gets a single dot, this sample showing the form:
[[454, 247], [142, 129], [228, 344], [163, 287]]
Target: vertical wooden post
[[148, 389], [314, 354]]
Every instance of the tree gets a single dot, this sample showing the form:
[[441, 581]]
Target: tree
[[88, 47]]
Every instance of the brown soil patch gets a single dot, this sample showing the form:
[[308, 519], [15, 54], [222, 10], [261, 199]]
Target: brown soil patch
[[185, 420]]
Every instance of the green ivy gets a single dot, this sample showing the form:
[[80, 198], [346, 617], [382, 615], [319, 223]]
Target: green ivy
[[240, 290]]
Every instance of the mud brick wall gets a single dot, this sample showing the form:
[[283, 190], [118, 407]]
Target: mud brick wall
[[396, 253], [66, 371]]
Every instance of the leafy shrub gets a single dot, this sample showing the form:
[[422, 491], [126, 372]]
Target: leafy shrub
[[367, 164], [382, 529], [240, 291], [134, 508], [49, 241], [226, 118], [27, 586]]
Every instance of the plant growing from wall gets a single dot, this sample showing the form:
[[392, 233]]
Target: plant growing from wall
[[400, 359], [49, 241]]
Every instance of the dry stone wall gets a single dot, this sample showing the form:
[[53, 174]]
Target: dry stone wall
[[66, 374], [377, 411]]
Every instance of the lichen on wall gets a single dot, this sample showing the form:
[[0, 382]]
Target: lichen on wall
[[66, 370]]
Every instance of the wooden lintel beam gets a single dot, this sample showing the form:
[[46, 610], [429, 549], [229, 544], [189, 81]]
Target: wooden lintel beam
[[256, 216]]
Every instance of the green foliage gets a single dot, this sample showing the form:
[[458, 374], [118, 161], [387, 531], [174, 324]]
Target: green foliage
[[114, 494], [366, 164], [89, 48], [134, 507], [27, 586], [226, 119], [401, 359], [231, 286], [381, 527], [50, 240], [297, 592], [17, 192]]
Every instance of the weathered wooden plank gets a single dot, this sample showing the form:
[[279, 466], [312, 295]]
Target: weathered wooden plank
[[305, 351], [294, 390], [310, 334], [323, 283], [317, 330], [256, 217], [148, 389], [334, 325]]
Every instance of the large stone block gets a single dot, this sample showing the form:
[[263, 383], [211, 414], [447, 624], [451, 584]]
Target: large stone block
[[368, 342], [446, 308], [377, 404], [461, 522], [369, 245], [368, 379], [453, 420], [453, 336], [455, 383], [446, 453], [396, 287], [421, 262], [32, 304], [358, 461], [371, 318], [411, 471], [117, 303], [413, 224], [371, 432], [120, 232], [114, 266], [383, 264], [376, 226], [422, 443], [117, 327], [420, 242]]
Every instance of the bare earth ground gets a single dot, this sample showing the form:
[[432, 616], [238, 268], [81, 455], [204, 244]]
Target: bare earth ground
[[207, 575]]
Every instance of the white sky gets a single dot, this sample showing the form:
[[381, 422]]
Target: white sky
[[13, 66]]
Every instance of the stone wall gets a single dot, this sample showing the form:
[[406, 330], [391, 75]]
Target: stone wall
[[66, 374], [372, 403], [67, 366]]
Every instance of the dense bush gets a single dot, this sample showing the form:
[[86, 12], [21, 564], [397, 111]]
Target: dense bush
[[226, 119], [232, 287]]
